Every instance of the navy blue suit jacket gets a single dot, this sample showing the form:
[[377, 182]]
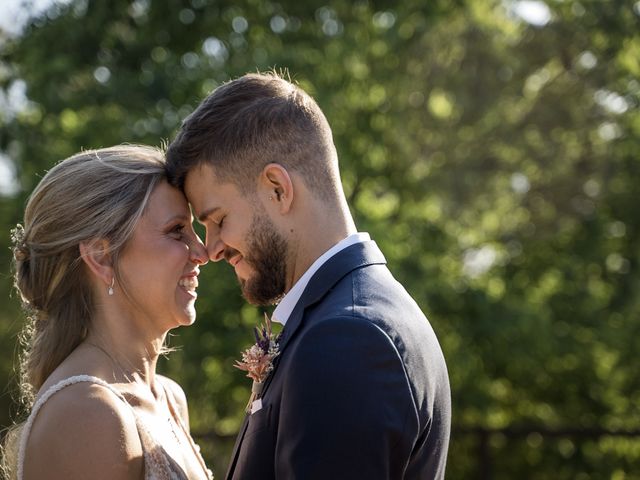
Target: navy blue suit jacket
[[360, 389]]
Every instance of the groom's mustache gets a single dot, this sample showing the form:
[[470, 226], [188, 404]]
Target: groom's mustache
[[229, 253]]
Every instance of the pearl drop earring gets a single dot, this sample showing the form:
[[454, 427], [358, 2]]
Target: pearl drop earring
[[110, 289]]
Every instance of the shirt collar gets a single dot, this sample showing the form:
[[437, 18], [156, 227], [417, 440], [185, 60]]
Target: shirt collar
[[287, 304]]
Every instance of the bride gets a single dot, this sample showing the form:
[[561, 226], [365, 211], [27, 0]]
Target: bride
[[106, 264]]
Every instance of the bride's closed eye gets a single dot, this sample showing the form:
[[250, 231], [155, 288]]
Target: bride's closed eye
[[177, 231]]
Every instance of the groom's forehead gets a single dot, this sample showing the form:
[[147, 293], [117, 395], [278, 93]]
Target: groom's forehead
[[205, 192], [199, 180], [202, 171]]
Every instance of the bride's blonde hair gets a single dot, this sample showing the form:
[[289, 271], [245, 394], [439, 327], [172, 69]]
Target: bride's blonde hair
[[95, 194]]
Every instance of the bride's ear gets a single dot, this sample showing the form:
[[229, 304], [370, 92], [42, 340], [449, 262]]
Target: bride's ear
[[95, 254]]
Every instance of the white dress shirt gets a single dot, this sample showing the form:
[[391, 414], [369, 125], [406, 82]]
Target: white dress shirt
[[287, 304]]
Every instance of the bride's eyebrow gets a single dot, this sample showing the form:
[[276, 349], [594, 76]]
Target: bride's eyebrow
[[181, 217]]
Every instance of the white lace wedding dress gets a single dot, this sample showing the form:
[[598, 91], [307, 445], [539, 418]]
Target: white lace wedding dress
[[158, 464]]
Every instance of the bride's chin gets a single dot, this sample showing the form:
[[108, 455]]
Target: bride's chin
[[189, 317]]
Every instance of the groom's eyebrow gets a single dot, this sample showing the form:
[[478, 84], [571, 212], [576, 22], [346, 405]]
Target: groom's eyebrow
[[207, 213]]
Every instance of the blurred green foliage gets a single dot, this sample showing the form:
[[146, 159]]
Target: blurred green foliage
[[494, 160]]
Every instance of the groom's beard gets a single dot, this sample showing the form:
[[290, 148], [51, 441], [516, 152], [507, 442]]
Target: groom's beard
[[267, 254]]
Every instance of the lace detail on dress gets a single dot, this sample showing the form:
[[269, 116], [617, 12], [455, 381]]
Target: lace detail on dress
[[158, 464]]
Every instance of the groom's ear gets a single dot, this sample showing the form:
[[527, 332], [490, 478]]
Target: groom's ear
[[276, 185], [95, 253]]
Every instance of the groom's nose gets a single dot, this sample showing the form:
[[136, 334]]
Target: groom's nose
[[215, 248]]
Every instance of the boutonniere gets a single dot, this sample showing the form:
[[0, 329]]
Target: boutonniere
[[257, 360]]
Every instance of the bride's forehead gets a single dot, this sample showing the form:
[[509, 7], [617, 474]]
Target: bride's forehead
[[164, 201]]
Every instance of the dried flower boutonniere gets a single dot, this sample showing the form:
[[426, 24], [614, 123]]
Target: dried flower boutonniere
[[257, 360]]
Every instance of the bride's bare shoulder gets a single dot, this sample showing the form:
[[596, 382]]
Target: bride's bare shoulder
[[84, 431]]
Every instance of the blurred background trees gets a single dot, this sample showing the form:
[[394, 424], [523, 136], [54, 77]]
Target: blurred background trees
[[490, 147]]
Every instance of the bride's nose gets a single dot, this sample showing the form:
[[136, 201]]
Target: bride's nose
[[198, 252]]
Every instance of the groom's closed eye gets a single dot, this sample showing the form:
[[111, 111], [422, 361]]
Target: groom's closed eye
[[208, 214]]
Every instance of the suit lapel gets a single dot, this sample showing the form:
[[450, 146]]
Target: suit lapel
[[236, 448], [341, 264], [344, 262]]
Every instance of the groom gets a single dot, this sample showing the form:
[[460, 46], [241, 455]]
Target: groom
[[360, 387]]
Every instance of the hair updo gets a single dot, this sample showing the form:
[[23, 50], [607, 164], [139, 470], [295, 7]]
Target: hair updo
[[96, 194]]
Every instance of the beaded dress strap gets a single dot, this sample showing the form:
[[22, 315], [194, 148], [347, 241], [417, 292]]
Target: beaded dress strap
[[173, 410], [24, 437]]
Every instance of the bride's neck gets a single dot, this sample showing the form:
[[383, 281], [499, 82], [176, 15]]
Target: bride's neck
[[132, 352]]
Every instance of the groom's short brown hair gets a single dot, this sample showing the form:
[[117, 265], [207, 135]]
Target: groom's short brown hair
[[249, 122]]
